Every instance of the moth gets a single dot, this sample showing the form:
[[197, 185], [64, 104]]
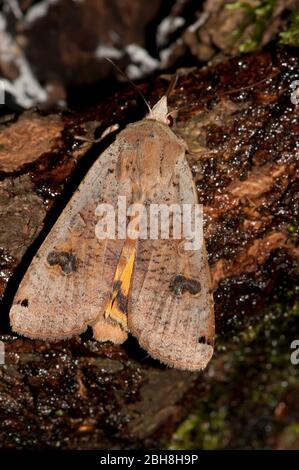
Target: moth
[[151, 288]]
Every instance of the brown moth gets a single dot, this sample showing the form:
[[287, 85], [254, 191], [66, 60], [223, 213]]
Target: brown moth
[[150, 287]]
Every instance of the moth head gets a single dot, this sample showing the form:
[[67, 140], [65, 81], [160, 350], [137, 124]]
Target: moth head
[[159, 112]]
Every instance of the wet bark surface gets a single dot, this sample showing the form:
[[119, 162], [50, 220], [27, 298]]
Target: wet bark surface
[[242, 132], [54, 52]]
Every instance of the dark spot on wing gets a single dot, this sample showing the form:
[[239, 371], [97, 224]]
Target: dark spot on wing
[[180, 284], [204, 340], [67, 261]]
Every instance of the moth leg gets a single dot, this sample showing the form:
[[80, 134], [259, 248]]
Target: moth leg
[[104, 134], [117, 307]]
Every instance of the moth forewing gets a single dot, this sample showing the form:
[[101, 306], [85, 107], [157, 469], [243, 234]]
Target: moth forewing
[[172, 306], [69, 280]]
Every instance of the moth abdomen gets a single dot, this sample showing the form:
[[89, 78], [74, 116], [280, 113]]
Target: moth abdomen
[[121, 299]]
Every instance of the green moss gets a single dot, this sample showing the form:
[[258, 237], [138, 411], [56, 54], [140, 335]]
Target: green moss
[[291, 35], [290, 437], [181, 436], [295, 429], [249, 377], [255, 15], [293, 229], [211, 433]]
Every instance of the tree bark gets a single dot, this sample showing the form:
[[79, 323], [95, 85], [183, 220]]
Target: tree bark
[[242, 132]]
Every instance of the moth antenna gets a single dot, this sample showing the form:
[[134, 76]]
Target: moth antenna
[[176, 110], [172, 85], [130, 81], [228, 92], [253, 85]]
